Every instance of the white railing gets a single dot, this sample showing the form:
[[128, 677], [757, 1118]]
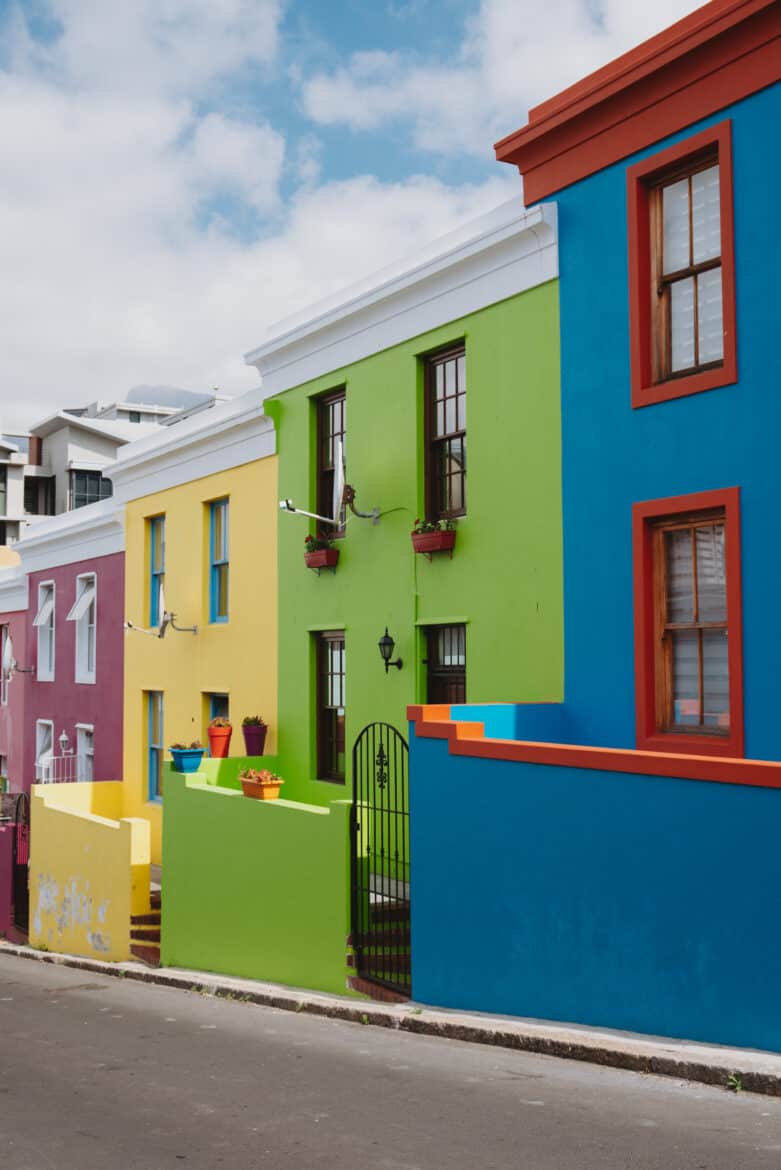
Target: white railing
[[62, 769]]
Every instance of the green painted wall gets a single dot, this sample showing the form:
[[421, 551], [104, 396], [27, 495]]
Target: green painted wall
[[505, 578], [254, 888]]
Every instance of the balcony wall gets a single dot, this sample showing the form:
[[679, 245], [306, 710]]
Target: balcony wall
[[609, 888]]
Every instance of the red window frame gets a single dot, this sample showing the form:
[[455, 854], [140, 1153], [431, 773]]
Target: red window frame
[[644, 518], [642, 178]]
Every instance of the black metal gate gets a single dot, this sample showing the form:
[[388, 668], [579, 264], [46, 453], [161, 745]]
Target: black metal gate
[[380, 858], [22, 862]]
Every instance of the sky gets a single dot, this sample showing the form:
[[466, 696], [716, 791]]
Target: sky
[[177, 175]]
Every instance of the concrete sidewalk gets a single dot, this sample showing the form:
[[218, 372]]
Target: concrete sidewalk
[[732, 1068]]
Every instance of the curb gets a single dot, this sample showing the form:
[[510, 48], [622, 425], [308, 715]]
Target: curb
[[746, 1069]]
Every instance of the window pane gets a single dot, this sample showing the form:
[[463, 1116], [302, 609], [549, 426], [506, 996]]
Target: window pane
[[222, 590], [715, 679], [680, 578], [686, 686], [675, 201], [706, 217], [710, 317], [462, 374], [217, 551], [682, 324], [450, 378], [711, 573], [450, 415]]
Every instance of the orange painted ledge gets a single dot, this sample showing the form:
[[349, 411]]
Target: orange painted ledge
[[468, 739]]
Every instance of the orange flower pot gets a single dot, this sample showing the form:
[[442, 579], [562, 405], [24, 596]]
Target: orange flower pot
[[261, 789], [219, 742]]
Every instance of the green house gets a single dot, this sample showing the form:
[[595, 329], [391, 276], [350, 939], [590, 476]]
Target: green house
[[438, 382]]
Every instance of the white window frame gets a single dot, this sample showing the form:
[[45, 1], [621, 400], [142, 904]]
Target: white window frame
[[40, 724], [85, 630], [4, 635], [44, 672], [82, 731]]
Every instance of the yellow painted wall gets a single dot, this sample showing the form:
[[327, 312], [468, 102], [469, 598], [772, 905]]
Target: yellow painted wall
[[237, 657], [89, 870]]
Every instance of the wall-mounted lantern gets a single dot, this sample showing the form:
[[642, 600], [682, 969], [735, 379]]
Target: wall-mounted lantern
[[386, 645]]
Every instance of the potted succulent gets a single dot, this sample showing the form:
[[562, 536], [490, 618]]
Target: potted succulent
[[260, 785], [430, 536], [320, 552], [187, 759], [219, 731], [254, 728]]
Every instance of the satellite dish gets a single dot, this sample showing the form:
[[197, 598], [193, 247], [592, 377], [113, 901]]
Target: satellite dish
[[165, 617], [9, 662], [338, 499]]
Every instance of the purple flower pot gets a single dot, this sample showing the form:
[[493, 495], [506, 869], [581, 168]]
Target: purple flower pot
[[254, 739]]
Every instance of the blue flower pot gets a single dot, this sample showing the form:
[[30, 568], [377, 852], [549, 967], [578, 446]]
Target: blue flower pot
[[187, 759]]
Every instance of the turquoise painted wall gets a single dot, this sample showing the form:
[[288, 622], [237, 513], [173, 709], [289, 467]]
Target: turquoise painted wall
[[254, 888], [504, 580]]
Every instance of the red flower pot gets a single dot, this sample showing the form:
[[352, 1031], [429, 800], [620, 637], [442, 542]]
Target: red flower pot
[[219, 742], [254, 739], [431, 542], [322, 558]]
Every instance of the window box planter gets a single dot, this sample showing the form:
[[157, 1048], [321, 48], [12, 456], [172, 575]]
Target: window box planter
[[431, 542], [322, 558], [260, 785], [186, 759]]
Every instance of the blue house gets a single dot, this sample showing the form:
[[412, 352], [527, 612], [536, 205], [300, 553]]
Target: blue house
[[631, 879]]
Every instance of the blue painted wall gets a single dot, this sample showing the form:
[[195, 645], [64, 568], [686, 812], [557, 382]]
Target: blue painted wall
[[614, 456], [632, 902]]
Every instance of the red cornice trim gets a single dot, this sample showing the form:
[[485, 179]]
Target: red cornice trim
[[646, 392], [718, 55], [464, 740], [647, 737]]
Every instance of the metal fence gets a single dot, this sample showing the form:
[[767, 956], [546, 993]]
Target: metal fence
[[65, 769]]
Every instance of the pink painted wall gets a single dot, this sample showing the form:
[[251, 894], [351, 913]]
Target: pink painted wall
[[65, 701], [13, 742]]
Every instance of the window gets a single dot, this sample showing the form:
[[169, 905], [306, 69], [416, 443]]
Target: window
[[446, 674], [218, 543], [134, 416], [44, 623], [31, 495], [83, 613], [331, 430], [681, 265], [44, 751], [3, 773], [5, 638], [156, 527], [86, 487], [688, 624], [154, 715], [330, 706], [3, 489], [219, 706], [85, 752], [445, 379]]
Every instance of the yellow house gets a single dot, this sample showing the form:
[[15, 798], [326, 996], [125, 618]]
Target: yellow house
[[201, 550]]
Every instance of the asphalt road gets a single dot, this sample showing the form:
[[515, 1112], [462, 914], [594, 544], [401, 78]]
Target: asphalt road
[[99, 1072]]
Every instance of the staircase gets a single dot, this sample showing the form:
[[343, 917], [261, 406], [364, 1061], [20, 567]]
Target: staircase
[[145, 931], [381, 954]]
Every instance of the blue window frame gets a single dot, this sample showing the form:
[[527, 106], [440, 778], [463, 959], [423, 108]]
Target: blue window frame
[[219, 706], [154, 711], [156, 568], [218, 561]]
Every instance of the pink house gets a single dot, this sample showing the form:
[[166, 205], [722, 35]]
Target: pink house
[[65, 696], [13, 686]]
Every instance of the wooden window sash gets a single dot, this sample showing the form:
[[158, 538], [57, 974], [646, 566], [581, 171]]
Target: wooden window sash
[[327, 727], [663, 628], [436, 441], [326, 436]]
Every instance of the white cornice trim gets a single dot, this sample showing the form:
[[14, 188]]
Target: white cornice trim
[[97, 530], [497, 256], [223, 437]]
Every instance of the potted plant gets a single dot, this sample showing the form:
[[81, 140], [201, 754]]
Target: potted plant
[[254, 728], [320, 552], [220, 731], [260, 785], [187, 759], [430, 536]]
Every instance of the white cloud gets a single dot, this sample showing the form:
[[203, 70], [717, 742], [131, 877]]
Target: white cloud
[[512, 55]]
